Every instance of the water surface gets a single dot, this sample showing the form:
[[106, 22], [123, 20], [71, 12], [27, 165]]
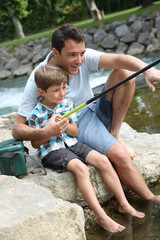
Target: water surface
[[147, 228]]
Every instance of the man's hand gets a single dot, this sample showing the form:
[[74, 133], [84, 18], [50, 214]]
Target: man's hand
[[152, 75]]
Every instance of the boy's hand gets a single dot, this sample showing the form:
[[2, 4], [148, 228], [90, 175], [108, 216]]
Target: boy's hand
[[57, 125]]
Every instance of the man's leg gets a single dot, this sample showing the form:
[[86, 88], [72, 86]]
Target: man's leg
[[127, 171], [112, 181], [121, 98]]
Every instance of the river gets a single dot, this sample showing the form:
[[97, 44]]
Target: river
[[144, 116]]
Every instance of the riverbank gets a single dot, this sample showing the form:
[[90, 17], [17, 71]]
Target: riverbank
[[59, 193], [133, 36]]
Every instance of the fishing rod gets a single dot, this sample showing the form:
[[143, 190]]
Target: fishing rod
[[112, 87]]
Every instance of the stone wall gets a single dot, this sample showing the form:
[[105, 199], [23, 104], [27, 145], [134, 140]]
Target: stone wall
[[133, 36]]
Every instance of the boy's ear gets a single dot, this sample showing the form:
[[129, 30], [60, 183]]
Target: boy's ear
[[55, 52], [41, 92]]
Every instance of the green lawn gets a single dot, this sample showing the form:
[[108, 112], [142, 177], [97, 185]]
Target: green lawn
[[125, 14]]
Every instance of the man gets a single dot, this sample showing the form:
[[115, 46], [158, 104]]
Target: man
[[99, 122]]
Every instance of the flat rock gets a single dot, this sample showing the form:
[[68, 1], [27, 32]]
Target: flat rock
[[30, 212]]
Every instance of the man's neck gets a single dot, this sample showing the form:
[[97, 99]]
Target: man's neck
[[51, 61]]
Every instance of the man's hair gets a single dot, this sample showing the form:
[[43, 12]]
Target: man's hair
[[65, 32], [48, 76]]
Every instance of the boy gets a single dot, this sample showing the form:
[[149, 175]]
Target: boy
[[64, 152]]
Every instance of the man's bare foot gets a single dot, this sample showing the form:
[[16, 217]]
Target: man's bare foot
[[127, 147], [130, 210], [110, 225], [2, 176]]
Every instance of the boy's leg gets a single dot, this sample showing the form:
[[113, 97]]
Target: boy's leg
[[86, 188], [112, 181]]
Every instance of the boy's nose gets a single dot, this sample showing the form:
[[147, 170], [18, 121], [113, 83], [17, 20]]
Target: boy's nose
[[62, 93]]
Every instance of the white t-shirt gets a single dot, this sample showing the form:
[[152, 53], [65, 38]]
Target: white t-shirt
[[79, 89]]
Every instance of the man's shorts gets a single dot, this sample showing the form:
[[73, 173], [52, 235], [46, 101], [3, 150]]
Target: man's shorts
[[94, 123], [57, 160]]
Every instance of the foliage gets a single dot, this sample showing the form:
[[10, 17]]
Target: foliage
[[41, 15], [69, 11], [117, 5], [7, 30], [19, 7]]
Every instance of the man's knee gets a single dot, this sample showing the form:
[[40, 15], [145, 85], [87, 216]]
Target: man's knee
[[118, 155]]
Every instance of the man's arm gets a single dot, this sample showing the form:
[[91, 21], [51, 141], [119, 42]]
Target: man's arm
[[122, 61], [22, 131]]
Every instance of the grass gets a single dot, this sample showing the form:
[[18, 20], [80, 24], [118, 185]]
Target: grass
[[108, 18]]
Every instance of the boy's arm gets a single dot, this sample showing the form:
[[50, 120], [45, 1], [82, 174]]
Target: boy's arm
[[72, 129]]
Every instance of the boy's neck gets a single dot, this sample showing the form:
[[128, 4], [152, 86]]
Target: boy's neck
[[46, 103]]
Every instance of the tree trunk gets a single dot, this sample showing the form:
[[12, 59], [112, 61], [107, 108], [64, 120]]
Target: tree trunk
[[16, 22], [95, 13], [146, 3]]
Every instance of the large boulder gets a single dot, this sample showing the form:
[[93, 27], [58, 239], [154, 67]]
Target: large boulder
[[30, 212]]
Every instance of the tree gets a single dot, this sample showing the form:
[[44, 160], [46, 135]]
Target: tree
[[95, 12], [16, 10]]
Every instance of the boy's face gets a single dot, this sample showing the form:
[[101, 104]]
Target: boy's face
[[71, 56], [53, 95]]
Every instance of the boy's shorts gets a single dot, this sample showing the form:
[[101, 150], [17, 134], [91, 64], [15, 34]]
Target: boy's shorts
[[57, 160], [94, 123]]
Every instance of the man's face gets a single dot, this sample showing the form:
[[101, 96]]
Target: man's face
[[71, 56]]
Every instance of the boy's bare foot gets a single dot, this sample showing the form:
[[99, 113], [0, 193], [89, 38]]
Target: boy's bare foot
[[127, 147], [130, 210], [110, 225]]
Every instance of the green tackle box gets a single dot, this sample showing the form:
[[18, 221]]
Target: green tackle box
[[12, 159]]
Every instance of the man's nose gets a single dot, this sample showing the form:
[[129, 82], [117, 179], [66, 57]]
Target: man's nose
[[79, 59]]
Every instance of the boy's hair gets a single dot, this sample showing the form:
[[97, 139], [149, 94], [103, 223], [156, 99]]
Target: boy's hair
[[65, 32], [48, 76]]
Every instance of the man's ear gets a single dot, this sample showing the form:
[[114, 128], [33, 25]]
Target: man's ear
[[41, 92], [55, 52]]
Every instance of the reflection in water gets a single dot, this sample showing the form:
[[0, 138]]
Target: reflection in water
[[144, 112], [147, 228]]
